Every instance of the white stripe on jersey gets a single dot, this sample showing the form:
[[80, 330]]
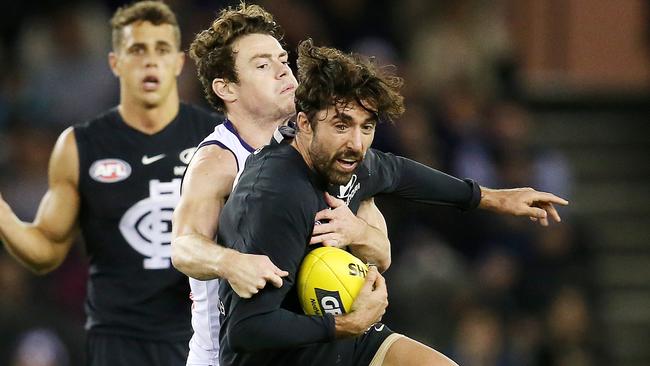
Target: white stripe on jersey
[[204, 345]]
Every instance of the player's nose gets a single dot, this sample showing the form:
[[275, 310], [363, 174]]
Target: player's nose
[[355, 140]]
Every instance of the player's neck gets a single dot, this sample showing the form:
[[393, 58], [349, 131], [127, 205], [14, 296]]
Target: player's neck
[[257, 132], [149, 120], [301, 143]]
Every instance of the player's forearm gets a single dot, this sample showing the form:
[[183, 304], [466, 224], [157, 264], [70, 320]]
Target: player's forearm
[[373, 247], [199, 257], [30, 246], [421, 183], [279, 329]]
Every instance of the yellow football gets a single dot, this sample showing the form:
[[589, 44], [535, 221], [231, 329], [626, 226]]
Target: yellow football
[[329, 280]]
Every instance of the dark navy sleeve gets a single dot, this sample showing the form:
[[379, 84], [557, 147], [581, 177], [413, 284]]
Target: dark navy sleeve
[[411, 180], [279, 225]]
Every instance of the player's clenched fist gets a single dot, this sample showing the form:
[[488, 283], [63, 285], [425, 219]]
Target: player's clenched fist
[[367, 309], [373, 297]]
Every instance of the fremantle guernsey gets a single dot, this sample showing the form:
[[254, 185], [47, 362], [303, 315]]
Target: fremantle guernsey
[[204, 345], [129, 184]]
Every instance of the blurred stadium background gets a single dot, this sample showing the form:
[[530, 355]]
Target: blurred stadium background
[[553, 94]]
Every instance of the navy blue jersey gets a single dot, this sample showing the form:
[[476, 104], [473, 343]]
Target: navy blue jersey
[[271, 211], [129, 183]]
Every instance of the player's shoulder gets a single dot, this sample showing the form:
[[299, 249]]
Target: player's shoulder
[[102, 120], [376, 160], [278, 158], [213, 157], [99, 127], [278, 170], [375, 156]]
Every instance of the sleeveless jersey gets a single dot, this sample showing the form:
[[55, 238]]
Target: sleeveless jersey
[[204, 345], [129, 184]]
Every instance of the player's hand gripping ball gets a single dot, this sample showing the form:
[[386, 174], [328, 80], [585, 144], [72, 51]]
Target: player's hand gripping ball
[[329, 280]]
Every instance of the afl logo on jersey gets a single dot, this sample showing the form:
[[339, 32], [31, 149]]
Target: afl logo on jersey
[[110, 170]]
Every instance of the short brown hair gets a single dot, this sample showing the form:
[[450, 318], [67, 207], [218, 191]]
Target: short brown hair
[[327, 77], [155, 12], [212, 51]]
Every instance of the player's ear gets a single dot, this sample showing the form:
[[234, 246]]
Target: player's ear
[[224, 90], [180, 61], [303, 123], [112, 62]]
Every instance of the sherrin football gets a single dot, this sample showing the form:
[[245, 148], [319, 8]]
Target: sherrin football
[[329, 279]]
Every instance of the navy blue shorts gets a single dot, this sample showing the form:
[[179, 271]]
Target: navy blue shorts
[[114, 350]]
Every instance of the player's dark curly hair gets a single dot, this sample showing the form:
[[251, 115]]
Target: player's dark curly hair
[[155, 12], [212, 51], [327, 77]]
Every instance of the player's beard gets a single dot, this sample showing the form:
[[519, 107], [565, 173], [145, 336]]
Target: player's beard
[[327, 166]]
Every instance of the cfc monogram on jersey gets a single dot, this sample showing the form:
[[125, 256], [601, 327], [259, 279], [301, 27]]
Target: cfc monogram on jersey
[[147, 225]]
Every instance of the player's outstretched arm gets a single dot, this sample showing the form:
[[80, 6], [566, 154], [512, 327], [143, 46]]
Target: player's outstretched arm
[[414, 181], [206, 185], [366, 233], [522, 202], [42, 245]]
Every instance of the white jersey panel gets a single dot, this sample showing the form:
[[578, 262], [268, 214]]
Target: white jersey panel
[[204, 345]]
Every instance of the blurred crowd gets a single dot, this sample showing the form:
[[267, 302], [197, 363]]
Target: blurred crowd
[[487, 290]]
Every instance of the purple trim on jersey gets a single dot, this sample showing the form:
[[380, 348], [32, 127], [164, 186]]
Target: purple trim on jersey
[[232, 129], [215, 142]]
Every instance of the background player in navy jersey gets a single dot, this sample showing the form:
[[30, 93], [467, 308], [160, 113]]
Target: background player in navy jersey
[[117, 178], [245, 73]]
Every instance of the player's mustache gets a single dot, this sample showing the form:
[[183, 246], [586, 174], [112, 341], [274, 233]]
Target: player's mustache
[[349, 154]]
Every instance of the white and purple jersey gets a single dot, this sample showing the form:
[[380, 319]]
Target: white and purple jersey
[[204, 345]]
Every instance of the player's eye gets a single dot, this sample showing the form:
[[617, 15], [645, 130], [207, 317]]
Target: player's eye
[[340, 127], [263, 66], [136, 50], [368, 128], [163, 50]]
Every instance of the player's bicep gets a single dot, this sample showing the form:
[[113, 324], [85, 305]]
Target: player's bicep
[[207, 183], [59, 209]]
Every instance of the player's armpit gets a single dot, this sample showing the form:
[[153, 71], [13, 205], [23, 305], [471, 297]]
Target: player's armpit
[[43, 245], [207, 183]]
